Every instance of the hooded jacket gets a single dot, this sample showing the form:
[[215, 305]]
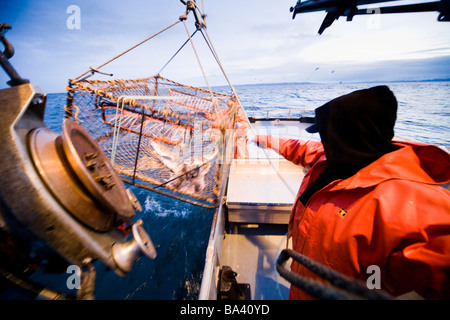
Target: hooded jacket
[[355, 129], [392, 214], [380, 203]]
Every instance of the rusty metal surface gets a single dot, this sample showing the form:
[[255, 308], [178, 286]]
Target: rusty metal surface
[[28, 208], [63, 183], [94, 169]]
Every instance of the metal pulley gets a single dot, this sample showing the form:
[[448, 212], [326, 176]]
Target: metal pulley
[[75, 203], [81, 176], [125, 254]]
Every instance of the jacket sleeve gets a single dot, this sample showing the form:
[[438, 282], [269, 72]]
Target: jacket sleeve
[[303, 153]]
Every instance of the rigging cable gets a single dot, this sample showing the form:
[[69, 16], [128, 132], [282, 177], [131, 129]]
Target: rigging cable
[[117, 126], [201, 26], [182, 46], [129, 49], [214, 53], [198, 59]]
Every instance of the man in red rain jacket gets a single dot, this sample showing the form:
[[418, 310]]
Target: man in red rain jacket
[[370, 201]]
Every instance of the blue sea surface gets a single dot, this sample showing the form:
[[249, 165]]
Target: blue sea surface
[[180, 231], [423, 107]]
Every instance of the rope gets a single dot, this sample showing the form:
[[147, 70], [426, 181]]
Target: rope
[[178, 118], [214, 52], [198, 59], [182, 46], [117, 128], [181, 175], [318, 290], [203, 71], [128, 90], [128, 50]]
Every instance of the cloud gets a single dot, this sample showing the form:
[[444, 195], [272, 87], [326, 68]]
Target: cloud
[[256, 42]]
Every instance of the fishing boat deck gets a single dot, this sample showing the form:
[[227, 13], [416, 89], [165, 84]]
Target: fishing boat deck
[[262, 190], [250, 226], [251, 251]]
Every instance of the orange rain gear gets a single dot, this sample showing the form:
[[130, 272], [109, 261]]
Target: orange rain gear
[[241, 135], [392, 214], [241, 127]]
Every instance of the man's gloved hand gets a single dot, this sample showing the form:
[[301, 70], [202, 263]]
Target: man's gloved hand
[[262, 140]]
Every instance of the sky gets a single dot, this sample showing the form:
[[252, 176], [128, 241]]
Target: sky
[[256, 41]]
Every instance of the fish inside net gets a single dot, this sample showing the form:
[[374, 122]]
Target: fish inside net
[[159, 134]]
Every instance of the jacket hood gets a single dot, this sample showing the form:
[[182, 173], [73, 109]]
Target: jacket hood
[[357, 128], [412, 161]]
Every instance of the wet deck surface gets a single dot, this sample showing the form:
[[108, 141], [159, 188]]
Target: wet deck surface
[[251, 251], [259, 199]]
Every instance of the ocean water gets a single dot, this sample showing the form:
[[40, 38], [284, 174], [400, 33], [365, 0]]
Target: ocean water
[[180, 231], [423, 107]]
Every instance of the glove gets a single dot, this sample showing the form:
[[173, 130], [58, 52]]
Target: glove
[[262, 140]]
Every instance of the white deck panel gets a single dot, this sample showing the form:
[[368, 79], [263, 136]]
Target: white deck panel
[[259, 198], [258, 181]]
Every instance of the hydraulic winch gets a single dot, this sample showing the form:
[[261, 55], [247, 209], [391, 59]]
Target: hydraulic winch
[[60, 196]]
